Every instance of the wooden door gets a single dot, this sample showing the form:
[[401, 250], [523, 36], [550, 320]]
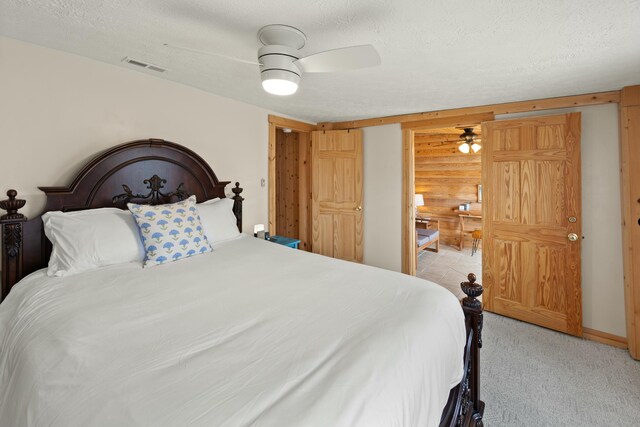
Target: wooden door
[[336, 195], [532, 221]]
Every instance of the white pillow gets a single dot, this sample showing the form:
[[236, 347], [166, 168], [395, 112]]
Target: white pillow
[[218, 220], [84, 240]]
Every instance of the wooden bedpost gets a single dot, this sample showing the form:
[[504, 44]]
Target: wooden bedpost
[[464, 407], [237, 204], [11, 223], [472, 308]]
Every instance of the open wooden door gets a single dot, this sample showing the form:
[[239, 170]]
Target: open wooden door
[[532, 222], [336, 195]]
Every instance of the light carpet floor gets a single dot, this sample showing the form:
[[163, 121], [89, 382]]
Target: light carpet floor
[[532, 376]]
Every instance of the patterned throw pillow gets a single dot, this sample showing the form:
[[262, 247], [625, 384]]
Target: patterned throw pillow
[[170, 232]]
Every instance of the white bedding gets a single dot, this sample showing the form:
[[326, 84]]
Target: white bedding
[[252, 334]]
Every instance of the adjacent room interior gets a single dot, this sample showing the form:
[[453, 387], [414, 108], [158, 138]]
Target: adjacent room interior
[[448, 200]]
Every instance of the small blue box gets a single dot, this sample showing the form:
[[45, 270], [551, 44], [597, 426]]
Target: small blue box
[[285, 241]]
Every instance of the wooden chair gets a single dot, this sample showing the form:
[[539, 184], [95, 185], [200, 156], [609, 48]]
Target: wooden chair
[[428, 236], [477, 237], [468, 228]]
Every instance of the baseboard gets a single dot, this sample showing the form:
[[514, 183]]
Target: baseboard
[[604, 338]]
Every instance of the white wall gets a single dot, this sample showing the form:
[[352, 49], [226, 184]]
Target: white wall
[[383, 196], [602, 277], [58, 110]]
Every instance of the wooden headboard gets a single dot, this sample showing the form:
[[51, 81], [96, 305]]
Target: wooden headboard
[[150, 171]]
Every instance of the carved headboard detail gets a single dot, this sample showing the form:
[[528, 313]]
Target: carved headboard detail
[[150, 171], [155, 196]]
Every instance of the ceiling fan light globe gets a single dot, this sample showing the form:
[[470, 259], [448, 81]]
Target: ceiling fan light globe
[[476, 147], [280, 82], [464, 148], [279, 87]]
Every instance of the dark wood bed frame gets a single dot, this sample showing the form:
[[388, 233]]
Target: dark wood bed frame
[[155, 171]]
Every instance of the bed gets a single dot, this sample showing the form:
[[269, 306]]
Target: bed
[[251, 334]]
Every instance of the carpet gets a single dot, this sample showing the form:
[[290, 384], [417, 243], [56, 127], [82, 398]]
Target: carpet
[[532, 376]]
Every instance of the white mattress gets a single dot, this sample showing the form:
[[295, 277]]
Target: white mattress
[[253, 334]]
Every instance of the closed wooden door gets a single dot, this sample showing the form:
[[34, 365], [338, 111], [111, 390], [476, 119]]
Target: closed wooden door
[[532, 221], [336, 195]]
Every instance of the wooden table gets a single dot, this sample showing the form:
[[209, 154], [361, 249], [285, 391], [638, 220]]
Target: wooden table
[[467, 215]]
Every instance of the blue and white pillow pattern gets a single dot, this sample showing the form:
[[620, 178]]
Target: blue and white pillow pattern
[[170, 232]]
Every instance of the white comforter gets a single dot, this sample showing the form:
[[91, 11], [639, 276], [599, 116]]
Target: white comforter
[[253, 334]]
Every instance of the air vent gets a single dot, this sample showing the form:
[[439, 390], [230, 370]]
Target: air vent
[[156, 68], [141, 64]]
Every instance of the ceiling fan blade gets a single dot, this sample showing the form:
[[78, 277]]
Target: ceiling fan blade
[[219, 55], [343, 59]]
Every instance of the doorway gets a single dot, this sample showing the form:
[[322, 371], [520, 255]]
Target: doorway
[[530, 217], [315, 187], [448, 199], [290, 179], [421, 130]]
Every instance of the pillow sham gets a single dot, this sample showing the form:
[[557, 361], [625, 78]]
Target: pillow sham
[[218, 220], [85, 240], [170, 232]]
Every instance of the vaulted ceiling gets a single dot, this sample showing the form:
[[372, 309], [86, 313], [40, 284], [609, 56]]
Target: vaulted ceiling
[[436, 54]]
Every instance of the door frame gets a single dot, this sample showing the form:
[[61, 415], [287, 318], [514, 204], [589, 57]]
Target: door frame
[[277, 122], [408, 177], [629, 115]]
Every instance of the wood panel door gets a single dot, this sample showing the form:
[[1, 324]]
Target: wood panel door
[[532, 221], [336, 195]]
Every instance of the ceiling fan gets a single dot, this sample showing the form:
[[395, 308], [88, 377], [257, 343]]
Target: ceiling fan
[[469, 141], [282, 65]]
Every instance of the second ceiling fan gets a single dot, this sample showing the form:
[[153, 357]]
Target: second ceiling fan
[[282, 65], [469, 141]]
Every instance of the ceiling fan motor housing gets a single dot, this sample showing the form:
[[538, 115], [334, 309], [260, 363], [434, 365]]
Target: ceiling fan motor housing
[[277, 62]]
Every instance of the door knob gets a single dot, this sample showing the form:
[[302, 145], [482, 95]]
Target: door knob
[[572, 237], [359, 208]]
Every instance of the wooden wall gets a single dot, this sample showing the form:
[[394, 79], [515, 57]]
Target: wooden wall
[[446, 178], [293, 186], [287, 184]]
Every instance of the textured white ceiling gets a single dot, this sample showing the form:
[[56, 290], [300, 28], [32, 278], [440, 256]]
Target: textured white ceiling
[[435, 54]]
